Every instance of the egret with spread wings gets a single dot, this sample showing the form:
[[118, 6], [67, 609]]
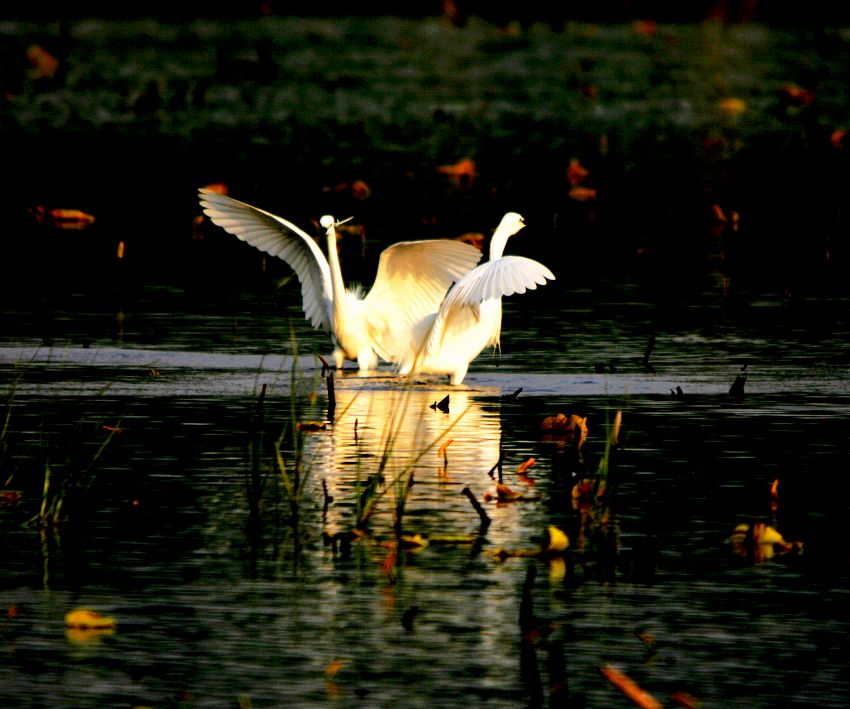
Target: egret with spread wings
[[470, 316], [411, 282]]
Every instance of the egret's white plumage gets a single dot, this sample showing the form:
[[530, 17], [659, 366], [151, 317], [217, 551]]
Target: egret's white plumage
[[412, 278], [470, 316]]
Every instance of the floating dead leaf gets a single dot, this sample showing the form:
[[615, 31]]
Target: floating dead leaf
[[462, 173], [583, 489], [566, 426], [645, 28], [505, 494], [733, 106], [10, 497], [576, 172], [524, 466], [556, 539], [474, 238], [71, 219], [838, 138], [630, 688], [388, 565], [43, 64], [582, 194], [761, 542], [88, 619], [413, 542], [646, 638], [797, 95], [333, 667], [683, 699], [309, 426], [360, 190]]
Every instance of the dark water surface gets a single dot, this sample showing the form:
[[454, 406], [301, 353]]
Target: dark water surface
[[710, 232], [212, 610]]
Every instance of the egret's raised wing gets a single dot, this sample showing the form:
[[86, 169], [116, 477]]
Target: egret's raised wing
[[277, 237], [501, 278], [412, 280]]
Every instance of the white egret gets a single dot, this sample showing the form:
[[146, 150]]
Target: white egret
[[412, 278], [470, 316]]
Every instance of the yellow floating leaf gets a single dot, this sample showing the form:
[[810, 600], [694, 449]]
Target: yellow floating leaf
[[84, 626], [558, 540], [88, 619], [733, 106], [413, 541]]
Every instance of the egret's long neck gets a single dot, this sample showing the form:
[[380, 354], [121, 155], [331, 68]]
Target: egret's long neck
[[337, 285], [499, 240]]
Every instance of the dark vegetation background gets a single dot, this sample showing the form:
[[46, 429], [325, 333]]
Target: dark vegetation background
[[707, 139]]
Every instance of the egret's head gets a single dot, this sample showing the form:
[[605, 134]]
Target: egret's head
[[511, 223], [326, 221]]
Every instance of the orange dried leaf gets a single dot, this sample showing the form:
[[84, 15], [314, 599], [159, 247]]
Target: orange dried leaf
[[473, 238], [837, 137], [566, 426], [311, 426], [462, 173], [630, 688], [333, 667], [44, 64], [798, 95], [733, 106], [88, 619], [71, 219], [360, 190], [683, 699], [388, 565], [582, 194], [526, 465], [505, 494], [645, 27], [10, 497], [576, 172]]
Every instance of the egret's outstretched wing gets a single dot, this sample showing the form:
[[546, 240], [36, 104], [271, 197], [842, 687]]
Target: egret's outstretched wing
[[412, 280], [503, 277], [277, 237]]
